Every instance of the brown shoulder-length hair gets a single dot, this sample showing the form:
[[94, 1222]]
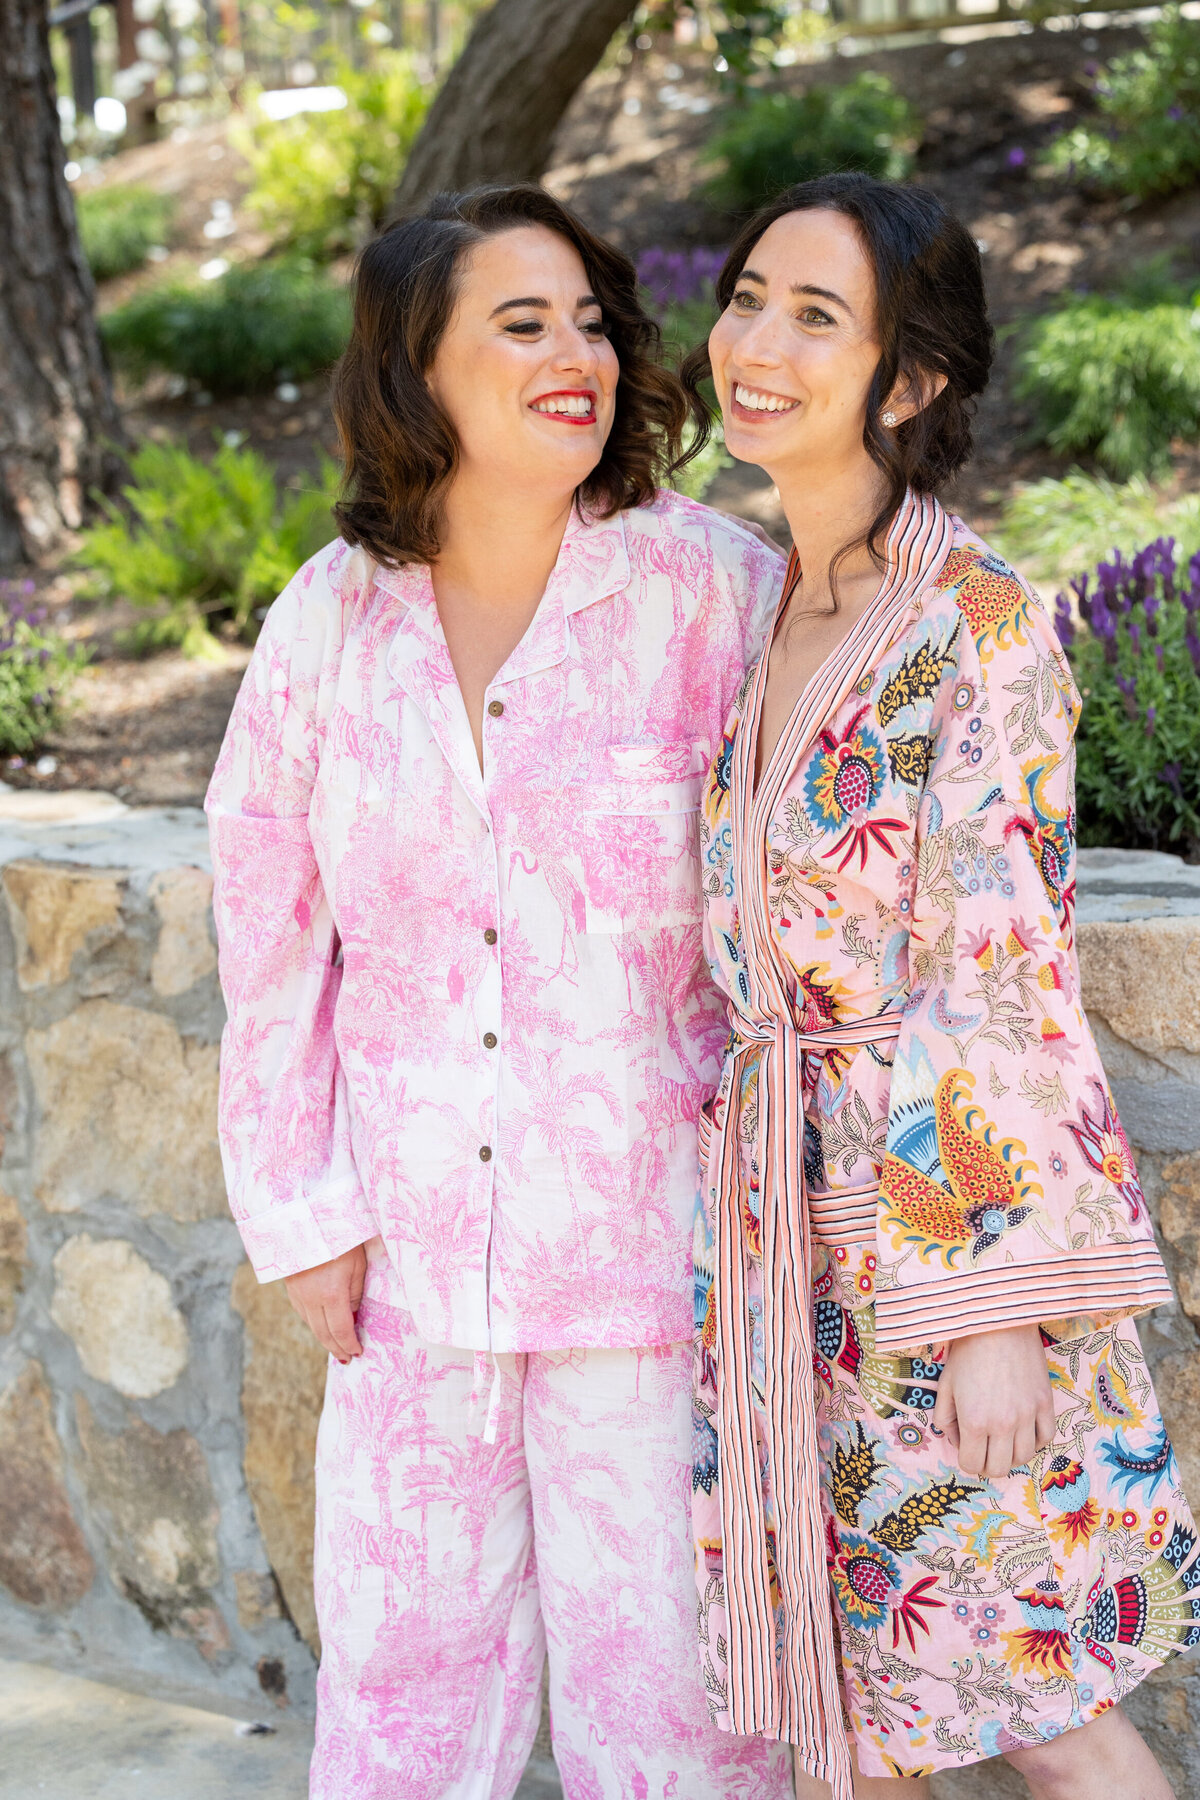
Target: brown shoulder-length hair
[[931, 319], [399, 447]]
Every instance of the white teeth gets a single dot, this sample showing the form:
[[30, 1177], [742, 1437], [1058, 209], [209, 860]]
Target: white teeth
[[756, 401], [579, 406]]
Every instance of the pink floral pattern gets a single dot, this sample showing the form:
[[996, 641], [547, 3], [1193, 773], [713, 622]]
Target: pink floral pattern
[[468, 1011], [437, 1614]]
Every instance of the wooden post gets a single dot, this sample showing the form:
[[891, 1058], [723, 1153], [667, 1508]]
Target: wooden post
[[83, 65]]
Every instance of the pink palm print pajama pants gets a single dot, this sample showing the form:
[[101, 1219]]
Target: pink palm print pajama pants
[[448, 1568]]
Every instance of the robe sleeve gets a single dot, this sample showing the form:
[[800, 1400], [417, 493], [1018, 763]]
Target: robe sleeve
[[283, 1111], [1008, 1193]]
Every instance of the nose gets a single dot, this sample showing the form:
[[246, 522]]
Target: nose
[[758, 341], [574, 352]]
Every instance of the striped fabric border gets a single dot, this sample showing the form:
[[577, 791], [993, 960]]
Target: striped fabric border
[[1105, 1280], [845, 1215]]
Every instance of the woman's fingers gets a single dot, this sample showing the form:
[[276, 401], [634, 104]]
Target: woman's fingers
[[339, 1332], [1047, 1424], [1025, 1443]]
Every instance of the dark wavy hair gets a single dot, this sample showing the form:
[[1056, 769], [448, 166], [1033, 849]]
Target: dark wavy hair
[[400, 448], [932, 318]]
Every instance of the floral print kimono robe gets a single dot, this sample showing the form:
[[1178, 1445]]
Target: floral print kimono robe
[[913, 1119]]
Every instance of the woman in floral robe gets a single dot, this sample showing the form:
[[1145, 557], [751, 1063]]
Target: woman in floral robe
[[943, 1466]]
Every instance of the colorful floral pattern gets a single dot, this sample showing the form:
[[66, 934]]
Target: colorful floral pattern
[[919, 864]]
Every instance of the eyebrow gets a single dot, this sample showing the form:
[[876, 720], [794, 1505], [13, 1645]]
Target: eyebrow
[[538, 303], [800, 288]]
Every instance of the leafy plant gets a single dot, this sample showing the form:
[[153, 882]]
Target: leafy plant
[[1116, 376], [118, 225], [1137, 662], [323, 181], [237, 334], [778, 139], [36, 669], [1148, 139], [196, 542], [1051, 527]]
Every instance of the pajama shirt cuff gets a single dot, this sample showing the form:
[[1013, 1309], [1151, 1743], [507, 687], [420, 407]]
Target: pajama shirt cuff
[[1073, 1292], [283, 1240]]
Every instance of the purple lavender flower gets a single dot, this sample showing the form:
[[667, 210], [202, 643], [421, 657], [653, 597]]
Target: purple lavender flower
[[1064, 624], [1191, 638], [1172, 774], [1151, 718], [1135, 637], [1016, 158], [1175, 113], [676, 276]]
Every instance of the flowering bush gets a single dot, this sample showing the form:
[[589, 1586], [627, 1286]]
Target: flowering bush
[[36, 667], [1148, 139], [1137, 662]]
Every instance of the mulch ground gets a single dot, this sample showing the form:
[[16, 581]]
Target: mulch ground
[[630, 157]]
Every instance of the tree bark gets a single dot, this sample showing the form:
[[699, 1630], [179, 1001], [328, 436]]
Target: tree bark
[[58, 422], [495, 117]]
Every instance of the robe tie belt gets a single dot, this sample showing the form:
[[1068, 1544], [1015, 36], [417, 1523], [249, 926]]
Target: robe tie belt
[[796, 1698]]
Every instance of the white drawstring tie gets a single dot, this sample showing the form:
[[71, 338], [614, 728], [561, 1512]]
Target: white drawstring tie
[[487, 1369]]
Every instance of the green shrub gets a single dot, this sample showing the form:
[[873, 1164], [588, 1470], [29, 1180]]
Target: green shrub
[[1148, 141], [36, 669], [235, 335], [779, 139], [118, 225], [1115, 377], [323, 181], [1137, 662], [1051, 527], [197, 542]]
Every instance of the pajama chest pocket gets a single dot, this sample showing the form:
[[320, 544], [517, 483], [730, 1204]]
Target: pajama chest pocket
[[638, 840]]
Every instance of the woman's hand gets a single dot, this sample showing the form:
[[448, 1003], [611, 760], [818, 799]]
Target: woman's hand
[[994, 1401], [327, 1299]]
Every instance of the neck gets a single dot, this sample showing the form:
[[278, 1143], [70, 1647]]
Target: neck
[[499, 546], [826, 509]]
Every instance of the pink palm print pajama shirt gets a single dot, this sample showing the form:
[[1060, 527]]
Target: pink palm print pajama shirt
[[470, 1026]]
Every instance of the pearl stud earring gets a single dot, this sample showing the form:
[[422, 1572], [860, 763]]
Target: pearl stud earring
[[889, 419]]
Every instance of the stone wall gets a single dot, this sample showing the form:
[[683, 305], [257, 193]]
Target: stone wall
[[158, 1407]]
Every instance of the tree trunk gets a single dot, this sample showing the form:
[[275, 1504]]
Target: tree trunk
[[58, 423], [496, 116]]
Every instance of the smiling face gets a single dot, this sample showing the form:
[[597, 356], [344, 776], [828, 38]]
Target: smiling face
[[525, 371], [794, 352]]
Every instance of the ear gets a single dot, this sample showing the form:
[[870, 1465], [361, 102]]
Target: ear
[[913, 393]]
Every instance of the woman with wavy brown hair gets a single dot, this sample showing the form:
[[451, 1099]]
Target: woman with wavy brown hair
[[458, 898], [933, 1490]]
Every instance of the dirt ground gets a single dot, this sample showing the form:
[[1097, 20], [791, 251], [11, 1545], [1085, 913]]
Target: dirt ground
[[630, 157]]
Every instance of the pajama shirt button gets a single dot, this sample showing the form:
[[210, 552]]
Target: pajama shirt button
[[489, 936], [485, 1153], [490, 1040], [496, 708]]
